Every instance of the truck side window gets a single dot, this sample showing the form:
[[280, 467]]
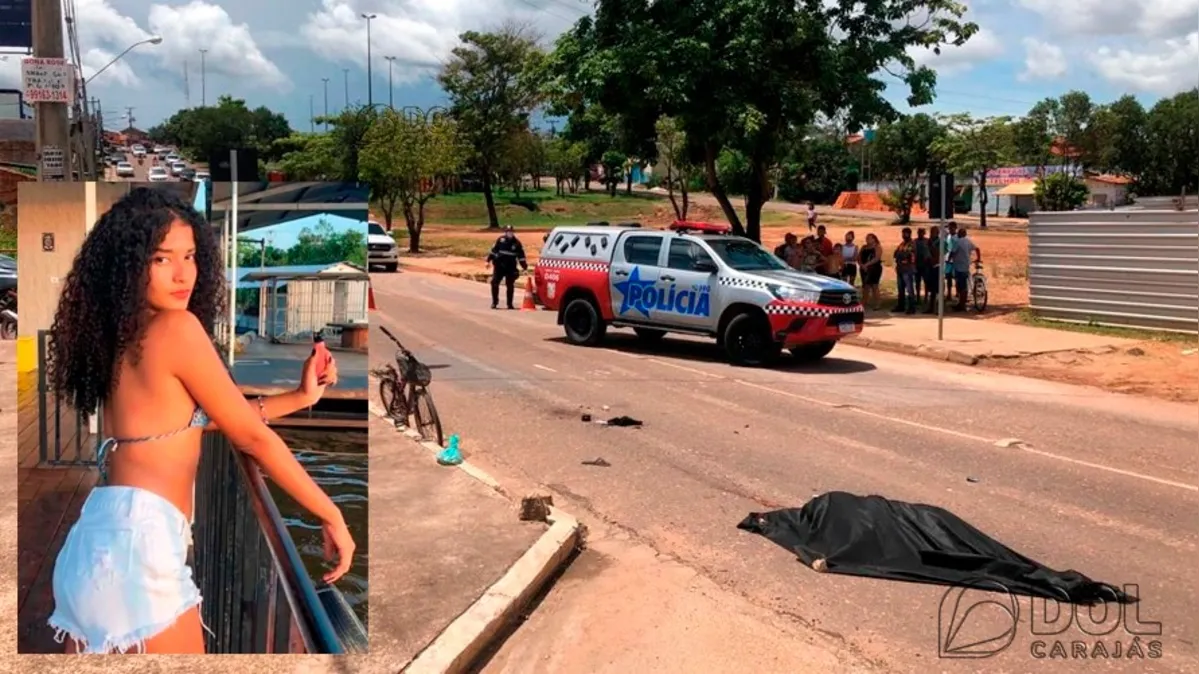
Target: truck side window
[[642, 250], [684, 254]]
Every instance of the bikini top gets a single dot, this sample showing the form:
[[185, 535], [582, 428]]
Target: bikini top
[[199, 420]]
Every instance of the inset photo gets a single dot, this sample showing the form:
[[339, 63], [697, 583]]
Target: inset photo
[[192, 418]]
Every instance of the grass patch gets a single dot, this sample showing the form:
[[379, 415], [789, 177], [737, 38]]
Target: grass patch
[[1027, 317], [437, 244], [537, 208]]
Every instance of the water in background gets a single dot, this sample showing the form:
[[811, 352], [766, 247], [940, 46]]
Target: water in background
[[337, 460]]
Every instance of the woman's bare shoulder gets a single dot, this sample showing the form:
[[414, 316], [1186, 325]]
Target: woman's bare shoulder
[[178, 328]]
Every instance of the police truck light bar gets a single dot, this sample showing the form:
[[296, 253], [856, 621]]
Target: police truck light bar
[[704, 227]]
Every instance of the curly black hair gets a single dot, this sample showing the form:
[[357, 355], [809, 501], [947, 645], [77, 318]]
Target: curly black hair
[[101, 312]]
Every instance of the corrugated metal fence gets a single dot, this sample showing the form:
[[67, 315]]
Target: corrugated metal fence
[[1135, 268]]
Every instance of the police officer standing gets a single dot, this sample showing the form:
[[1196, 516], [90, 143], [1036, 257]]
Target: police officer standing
[[504, 256]]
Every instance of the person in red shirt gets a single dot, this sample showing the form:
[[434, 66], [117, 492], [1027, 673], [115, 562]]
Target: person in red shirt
[[825, 246]]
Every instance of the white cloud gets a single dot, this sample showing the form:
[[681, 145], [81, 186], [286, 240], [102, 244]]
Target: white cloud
[[1165, 69], [1143, 18], [983, 46], [232, 51], [1042, 61]]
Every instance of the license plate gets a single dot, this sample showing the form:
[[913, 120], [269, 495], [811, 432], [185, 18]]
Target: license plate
[[847, 327]]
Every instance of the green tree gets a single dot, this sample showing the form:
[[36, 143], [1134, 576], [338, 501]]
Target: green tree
[[672, 151], [1060, 192], [204, 131], [521, 154], [1172, 164], [322, 244], [817, 167], [408, 160], [972, 148], [348, 132], [739, 74], [904, 153], [492, 83], [614, 162], [309, 156], [1032, 136], [1118, 139], [566, 162]]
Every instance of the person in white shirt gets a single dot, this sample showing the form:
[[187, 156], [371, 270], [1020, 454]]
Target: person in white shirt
[[811, 216], [849, 255]]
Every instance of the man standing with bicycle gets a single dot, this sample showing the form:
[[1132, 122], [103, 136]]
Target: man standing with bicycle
[[505, 255], [963, 250]]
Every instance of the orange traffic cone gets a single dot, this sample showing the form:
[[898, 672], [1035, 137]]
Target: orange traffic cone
[[528, 304], [370, 298]]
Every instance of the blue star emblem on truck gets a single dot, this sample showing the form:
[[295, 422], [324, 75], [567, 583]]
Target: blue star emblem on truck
[[632, 291]]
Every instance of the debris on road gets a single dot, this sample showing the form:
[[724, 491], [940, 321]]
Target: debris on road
[[536, 508], [971, 479], [1135, 351], [598, 461], [451, 455], [587, 417], [1190, 352], [876, 537], [623, 421], [1008, 443]]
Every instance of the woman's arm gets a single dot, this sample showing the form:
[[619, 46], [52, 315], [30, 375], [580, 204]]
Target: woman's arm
[[282, 404], [197, 365]]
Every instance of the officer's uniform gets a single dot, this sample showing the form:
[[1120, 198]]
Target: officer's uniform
[[505, 255]]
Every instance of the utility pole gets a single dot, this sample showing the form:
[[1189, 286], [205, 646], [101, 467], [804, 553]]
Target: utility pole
[[187, 92], [203, 78], [129, 117], [370, 99], [53, 134], [391, 103], [326, 81], [311, 114], [346, 74]]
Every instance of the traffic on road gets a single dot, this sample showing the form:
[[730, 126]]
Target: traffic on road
[[139, 163]]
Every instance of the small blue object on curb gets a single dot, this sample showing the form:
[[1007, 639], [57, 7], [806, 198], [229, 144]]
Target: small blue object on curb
[[451, 455]]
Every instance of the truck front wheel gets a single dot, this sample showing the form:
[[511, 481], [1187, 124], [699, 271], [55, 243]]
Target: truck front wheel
[[810, 353], [748, 343], [582, 322]]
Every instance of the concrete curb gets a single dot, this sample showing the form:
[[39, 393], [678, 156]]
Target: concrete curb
[[921, 350], [466, 638]]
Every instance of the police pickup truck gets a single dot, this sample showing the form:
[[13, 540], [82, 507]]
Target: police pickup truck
[[693, 278]]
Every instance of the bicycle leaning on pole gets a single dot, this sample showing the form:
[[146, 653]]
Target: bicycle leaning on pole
[[403, 388]]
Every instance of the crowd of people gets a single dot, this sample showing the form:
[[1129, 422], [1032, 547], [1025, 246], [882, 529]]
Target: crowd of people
[[916, 261]]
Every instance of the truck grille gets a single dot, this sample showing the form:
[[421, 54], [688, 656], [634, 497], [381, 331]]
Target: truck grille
[[836, 298], [379, 247]]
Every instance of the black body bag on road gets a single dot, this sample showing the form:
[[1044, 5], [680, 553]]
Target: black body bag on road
[[876, 537]]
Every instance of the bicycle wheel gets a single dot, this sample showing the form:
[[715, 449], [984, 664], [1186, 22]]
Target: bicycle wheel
[[979, 295], [428, 424]]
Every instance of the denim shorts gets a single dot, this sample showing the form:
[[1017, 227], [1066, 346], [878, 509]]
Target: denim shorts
[[122, 575]]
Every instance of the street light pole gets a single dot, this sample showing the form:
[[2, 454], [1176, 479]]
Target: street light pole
[[52, 130], [326, 81], [345, 72], [390, 90], [370, 99], [203, 84], [152, 40]]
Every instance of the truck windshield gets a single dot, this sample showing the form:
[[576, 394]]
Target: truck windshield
[[376, 229], [745, 255]]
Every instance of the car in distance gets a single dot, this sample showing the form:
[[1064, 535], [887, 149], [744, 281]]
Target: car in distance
[[158, 174], [125, 170]]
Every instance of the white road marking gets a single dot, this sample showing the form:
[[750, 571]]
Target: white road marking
[[542, 367], [966, 436]]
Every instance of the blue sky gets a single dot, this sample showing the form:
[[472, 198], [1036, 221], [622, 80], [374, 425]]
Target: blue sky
[[276, 52], [287, 235]]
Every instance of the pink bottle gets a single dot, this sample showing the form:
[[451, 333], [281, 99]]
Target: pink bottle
[[323, 356]]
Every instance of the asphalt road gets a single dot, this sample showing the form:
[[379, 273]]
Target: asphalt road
[[140, 171], [1103, 484]]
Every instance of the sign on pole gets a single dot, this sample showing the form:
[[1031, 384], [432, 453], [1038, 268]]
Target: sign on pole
[[54, 162], [47, 80]]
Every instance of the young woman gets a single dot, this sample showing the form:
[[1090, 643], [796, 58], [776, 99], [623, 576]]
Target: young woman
[[870, 261], [849, 257], [133, 337]]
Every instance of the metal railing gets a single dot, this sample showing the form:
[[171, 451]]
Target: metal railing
[[59, 423], [258, 597]]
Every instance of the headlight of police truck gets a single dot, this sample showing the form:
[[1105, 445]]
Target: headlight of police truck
[[795, 294]]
